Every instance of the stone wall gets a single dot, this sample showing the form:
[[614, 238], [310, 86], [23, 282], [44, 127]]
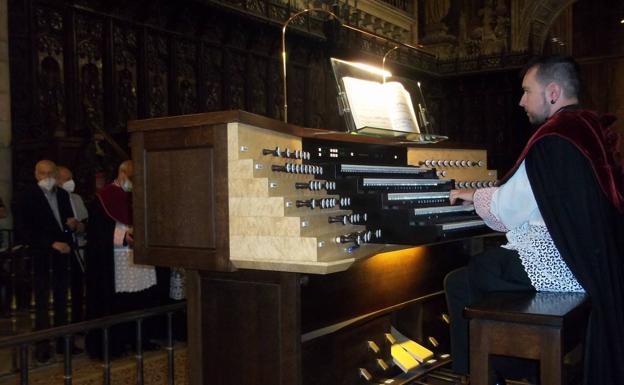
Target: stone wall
[[5, 114]]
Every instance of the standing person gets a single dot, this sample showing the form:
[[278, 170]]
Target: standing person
[[47, 223], [65, 181], [115, 283], [561, 207]]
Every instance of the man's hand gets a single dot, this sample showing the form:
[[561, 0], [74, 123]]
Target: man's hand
[[467, 195], [129, 239], [61, 247], [72, 223]]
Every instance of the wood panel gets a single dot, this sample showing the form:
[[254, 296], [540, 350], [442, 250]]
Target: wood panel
[[250, 328], [172, 219], [181, 199]]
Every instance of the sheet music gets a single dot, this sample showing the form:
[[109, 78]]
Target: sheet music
[[367, 106], [400, 108], [384, 106]]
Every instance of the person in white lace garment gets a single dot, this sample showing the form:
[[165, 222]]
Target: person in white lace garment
[[553, 252], [115, 284]]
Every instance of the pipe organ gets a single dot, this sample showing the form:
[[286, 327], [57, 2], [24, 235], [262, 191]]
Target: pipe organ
[[300, 243]]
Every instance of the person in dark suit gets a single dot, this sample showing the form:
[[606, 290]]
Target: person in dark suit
[[46, 222]]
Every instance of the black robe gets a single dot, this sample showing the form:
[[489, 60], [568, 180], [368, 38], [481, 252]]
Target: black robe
[[589, 233], [102, 300], [100, 278]]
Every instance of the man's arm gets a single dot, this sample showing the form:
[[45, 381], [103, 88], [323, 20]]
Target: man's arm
[[29, 223]]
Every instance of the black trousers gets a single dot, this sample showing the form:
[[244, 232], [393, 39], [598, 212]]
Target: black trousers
[[496, 269]]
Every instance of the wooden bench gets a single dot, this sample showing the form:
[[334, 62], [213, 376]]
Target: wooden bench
[[542, 326]]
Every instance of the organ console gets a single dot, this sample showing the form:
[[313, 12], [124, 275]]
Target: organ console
[[300, 244]]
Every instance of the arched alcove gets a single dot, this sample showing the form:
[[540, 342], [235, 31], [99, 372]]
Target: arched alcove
[[531, 22]]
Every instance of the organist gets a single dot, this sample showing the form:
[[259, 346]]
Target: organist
[[561, 207]]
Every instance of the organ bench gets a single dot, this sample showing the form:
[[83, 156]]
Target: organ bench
[[534, 325]]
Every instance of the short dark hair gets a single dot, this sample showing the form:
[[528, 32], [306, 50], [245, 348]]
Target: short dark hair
[[563, 70]]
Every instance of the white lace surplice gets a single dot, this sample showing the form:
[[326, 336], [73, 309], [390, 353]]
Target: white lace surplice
[[129, 277], [515, 207]]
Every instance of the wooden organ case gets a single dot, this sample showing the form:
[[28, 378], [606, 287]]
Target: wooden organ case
[[289, 237]]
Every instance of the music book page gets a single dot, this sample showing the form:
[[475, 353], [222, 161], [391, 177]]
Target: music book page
[[386, 106]]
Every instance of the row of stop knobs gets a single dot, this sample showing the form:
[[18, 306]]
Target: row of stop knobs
[[296, 168], [452, 163], [475, 184], [324, 203], [359, 237], [350, 219], [316, 185], [287, 153]]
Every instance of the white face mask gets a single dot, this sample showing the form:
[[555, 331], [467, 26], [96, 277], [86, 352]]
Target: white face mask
[[47, 183], [127, 185], [69, 186]]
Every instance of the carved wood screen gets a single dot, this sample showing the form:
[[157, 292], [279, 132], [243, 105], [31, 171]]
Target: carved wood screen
[[80, 70]]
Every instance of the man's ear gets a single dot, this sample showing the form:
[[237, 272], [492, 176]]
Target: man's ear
[[553, 92]]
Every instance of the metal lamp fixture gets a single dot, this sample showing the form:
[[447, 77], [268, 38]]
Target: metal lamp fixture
[[396, 45]]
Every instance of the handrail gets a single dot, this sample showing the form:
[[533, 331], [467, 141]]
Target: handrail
[[79, 327]]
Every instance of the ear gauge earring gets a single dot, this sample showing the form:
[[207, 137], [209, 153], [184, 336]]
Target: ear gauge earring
[[552, 101]]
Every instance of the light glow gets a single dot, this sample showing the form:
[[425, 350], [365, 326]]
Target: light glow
[[368, 68]]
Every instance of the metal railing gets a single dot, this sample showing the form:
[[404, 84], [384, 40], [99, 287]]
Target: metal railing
[[10, 256], [68, 331]]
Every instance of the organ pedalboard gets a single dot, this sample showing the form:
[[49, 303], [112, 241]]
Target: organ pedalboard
[[316, 206]]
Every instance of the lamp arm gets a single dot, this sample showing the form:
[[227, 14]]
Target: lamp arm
[[284, 49], [383, 61], [395, 43]]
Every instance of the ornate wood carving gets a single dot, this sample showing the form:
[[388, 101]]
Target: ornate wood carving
[[186, 76], [50, 71], [95, 65], [235, 70], [89, 53], [158, 69], [212, 59], [125, 75]]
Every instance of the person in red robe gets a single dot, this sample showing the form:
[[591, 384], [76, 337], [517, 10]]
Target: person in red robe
[[571, 170], [114, 283]]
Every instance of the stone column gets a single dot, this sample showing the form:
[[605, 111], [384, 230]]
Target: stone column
[[5, 115]]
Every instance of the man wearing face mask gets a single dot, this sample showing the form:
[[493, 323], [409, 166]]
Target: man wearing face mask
[[46, 223], [65, 180], [115, 283]]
